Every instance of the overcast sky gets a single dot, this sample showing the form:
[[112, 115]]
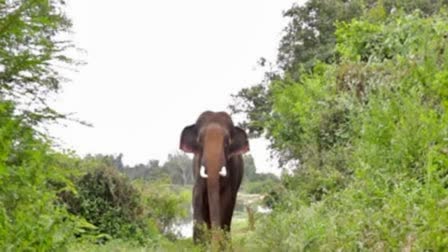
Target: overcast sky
[[154, 66]]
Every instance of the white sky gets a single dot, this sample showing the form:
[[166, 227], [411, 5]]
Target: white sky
[[154, 66]]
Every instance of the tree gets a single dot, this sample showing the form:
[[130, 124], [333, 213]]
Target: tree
[[310, 34], [179, 166], [110, 160], [308, 39], [33, 52], [249, 167]]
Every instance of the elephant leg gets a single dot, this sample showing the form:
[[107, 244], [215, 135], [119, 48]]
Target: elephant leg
[[228, 205], [200, 212]]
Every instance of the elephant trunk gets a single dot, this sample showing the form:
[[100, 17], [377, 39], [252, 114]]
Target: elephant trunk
[[214, 160], [214, 199], [214, 164], [213, 190]]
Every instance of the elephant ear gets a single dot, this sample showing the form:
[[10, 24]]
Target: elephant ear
[[188, 139], [239, 143]]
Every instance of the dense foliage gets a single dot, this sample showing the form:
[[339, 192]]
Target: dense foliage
[[371, 132], [30, 216], [309, 39]]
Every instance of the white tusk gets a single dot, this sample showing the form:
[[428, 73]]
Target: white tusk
[[223, 171], [202, 172]]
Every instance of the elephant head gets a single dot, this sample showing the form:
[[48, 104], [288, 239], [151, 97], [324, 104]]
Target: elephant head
[[214, 140]]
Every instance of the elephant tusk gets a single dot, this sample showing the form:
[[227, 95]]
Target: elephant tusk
[[223, 171], [202, 172]]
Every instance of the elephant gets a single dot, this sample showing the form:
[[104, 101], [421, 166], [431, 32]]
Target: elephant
[[218, 166]]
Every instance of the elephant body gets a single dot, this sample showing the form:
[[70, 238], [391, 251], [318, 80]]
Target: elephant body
[[218, 168], [228, 189]]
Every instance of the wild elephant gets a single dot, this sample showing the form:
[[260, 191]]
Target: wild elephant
[[218, 168]]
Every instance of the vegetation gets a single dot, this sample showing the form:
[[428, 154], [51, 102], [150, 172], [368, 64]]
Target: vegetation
[[107, 200], [30, 171], [33, 53], [358, 107], [370, 131], [51, 200], [28, 200], [310, 39]]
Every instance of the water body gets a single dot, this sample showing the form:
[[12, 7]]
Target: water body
[[263, 209], [184, 230]]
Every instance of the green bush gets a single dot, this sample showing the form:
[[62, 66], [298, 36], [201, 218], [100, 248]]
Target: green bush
[[108, 200], [118, 208], [143, 213]]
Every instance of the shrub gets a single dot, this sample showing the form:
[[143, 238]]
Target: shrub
[[108, 200], [30, 216]]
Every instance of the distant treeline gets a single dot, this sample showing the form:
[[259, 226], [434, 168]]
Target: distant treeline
[[177, 168]]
